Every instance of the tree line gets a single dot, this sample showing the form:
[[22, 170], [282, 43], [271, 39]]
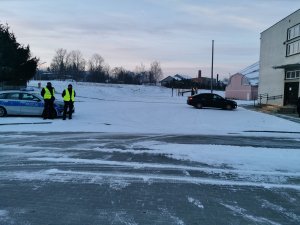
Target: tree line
[[17, 66], [72, 65]]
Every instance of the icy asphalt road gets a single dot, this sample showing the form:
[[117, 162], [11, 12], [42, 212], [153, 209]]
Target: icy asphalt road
[[100, 178]]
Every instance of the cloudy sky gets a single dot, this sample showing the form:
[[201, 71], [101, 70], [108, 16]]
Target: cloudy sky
[[177, 33]]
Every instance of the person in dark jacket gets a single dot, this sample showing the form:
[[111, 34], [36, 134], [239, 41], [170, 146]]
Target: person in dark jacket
[[48, 95], [69, 98], [298, 106], [192, 91]]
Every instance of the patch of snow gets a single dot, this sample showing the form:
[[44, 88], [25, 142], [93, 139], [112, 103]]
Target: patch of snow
[[242, 212], [280, 210], [195, 202]]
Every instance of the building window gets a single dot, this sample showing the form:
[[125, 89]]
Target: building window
[[292, 75], [294, 32], [293, 48]]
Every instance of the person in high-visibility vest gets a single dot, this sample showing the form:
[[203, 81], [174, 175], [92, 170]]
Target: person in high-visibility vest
[[48, 95], [69, 98]]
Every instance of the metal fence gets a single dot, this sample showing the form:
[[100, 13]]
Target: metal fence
[[267, 97]]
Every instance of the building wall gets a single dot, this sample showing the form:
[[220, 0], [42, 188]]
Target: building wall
[[237, 90], [273, 53], [254, 91]]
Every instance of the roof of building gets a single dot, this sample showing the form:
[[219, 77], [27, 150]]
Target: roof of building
[[182, 77], [166, 79], [280, 20], [252, 73]]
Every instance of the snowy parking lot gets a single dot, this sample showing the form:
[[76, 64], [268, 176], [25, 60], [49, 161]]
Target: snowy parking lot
[[137, 155], [149, 109]]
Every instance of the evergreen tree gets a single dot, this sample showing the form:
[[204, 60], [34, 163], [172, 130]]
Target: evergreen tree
[[16, 63]]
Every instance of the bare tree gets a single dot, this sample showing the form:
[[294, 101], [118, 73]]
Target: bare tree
[[156, 72], [99, 72], [142, 74], [118, 74], [76, 65], [96, 62], [140, 69], [59, 63]]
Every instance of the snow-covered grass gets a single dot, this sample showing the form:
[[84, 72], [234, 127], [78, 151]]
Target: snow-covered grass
[[147, 109]]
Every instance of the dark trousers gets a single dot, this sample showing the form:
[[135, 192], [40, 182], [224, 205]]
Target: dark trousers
[[68, 105], [48, 109]]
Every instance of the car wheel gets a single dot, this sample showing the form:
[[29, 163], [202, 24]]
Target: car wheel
[[228, 107], [199, 106], [2, 112]]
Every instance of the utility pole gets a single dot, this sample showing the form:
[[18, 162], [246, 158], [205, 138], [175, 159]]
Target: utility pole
[[212, 67]]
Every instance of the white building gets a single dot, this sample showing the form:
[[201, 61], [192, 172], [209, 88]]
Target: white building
[[280, 61]]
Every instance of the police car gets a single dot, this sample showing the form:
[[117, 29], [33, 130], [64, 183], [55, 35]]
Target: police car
[[27, 103]]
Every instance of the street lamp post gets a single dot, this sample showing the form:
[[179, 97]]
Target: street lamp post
[[212, 67]]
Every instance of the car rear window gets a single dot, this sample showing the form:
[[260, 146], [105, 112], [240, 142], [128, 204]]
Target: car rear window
[[13, 96], [204, 97]]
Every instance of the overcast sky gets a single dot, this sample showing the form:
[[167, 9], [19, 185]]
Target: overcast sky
[[177, 33]]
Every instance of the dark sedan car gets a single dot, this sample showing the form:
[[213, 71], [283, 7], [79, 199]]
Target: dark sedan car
[[210, 100]]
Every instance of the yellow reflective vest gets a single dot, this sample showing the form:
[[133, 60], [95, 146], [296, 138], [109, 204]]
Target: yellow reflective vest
[[67, 96], [47, 94]]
